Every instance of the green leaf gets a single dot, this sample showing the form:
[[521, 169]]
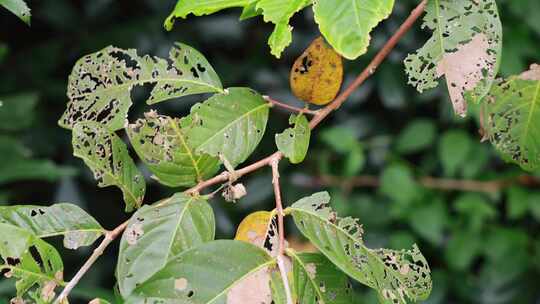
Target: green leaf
[[108, 158], [17, 164], [77, 226], [317, 280], [19, 8], [156, 234], [250, 11], [163, 146], [230, 124], [517, 202], [192, 276], [17, 112], [418, 135], [511, 113], [430, 220], [465, 47], [200, 7], [454, 148], [42, 266], [399, 177], [342, 139], [100, 84], [476, 209], [279, 13], [395, 275], [347, 24], [463, 247], [294, 142]]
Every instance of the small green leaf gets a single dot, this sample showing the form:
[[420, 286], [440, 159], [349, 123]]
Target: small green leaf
[[108, 158], [29, 270], [395, 275], [342, 139], [475, 209], [163, 146], [200, 7], [454, 148], [158, 233], [230, 124], [100, 84], [17, 111], [430, 220], [418, 135], [294, 142], [19, 8], [347, 24], [463, 247], [517, 202], [399, 177], [250, 11], [279, 13], [512, 114], [77, 226], [192, 276], [317, 280], [465, 48]]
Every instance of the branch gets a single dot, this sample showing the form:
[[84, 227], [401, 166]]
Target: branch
[[317, 118], [109, 237], [445, 184], [281, 227], [289, 107]]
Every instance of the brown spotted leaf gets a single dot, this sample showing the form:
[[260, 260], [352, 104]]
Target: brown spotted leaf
[[397, 275], [316, 75], [465, 48], [511, 118], [108, 158], [100, 84], [163, 146]]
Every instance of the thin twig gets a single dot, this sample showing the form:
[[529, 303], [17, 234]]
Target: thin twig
[[281, 227], [109, 237], [445, 184], [289, 107], [317, 118]]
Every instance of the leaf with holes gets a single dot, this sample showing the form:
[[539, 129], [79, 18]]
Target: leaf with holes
[[108, 158], [77, 226], [100, 84], [511, 114], [465, 48], [230, 124], [279, 13], [317, 280], [396, 275], [158, 233], [347, 24], [30, 260], [316, 75], [162, 144], [201, 7], [294, 142], [19, 8], [190, 277]]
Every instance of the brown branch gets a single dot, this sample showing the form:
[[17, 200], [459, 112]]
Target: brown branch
[[289, 107], [109, 237], [317, 118], [274, 163], [445, 184]]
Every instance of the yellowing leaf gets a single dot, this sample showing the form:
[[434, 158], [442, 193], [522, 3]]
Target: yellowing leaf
[[317, 74], [253, 227]]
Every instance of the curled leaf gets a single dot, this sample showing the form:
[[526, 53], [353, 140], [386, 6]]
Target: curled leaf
[[316, 75], [294, 142]]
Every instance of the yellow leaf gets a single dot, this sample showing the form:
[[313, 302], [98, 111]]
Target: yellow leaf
[[253, 227], [316, 75]]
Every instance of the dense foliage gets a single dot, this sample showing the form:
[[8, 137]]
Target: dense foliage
[[419, 176]]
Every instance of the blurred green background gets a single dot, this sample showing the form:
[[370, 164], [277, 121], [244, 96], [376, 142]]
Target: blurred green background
[[383, 156]]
